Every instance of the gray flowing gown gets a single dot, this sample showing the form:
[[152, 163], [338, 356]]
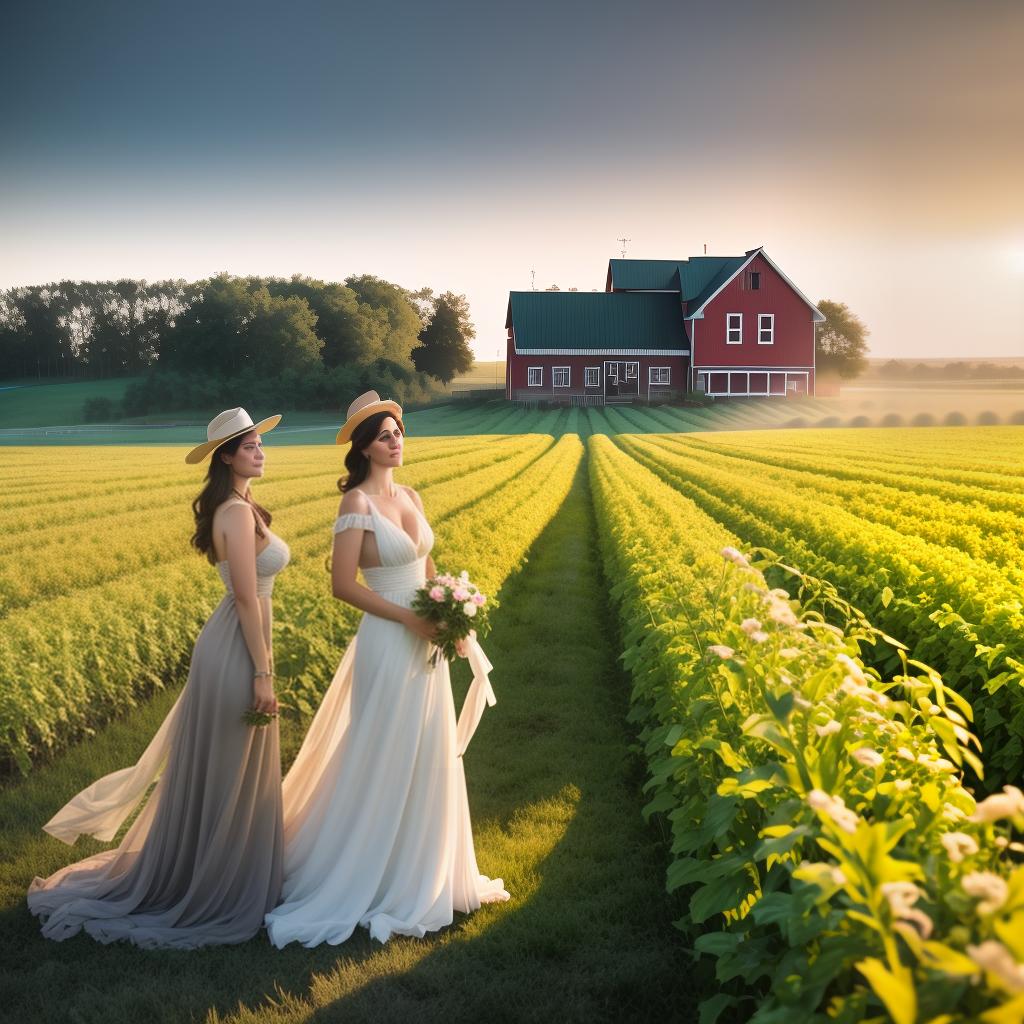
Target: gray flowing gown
[[202, 863]]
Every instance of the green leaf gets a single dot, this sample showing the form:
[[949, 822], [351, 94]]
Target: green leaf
[[711, 1009], [887, 596], [895, 990]]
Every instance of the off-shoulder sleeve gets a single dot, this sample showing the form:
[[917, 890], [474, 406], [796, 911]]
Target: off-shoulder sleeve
[[353, 521]]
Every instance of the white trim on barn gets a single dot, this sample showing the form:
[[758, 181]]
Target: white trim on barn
[[772, 386], [602, 351], [770, 328], [530, 383], [661, 370], [556, 373], [729, 329], [587, 370]]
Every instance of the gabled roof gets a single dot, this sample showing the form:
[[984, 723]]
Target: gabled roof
[[697, 280], [596, 320]]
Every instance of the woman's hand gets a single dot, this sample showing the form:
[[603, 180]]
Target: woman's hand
[[420, 626], [263, 695], [460, 644]]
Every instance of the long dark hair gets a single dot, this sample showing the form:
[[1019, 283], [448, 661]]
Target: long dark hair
[[357, 464], [217, 489]]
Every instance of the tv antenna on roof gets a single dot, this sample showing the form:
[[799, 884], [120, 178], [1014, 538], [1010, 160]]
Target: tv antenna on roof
[[533, 280], [623, 241]]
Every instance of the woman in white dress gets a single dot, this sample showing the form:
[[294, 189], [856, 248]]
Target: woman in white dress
[[377, 827]]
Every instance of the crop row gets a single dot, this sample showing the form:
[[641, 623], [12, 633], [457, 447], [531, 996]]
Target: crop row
[[72, 661], [959, 613], [66, 557], [828, 855]]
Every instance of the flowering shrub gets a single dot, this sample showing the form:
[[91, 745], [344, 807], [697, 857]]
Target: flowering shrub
[[837, 867]]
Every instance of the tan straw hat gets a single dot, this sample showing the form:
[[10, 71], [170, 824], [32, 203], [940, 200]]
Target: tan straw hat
[[226, 425], [363, 408]]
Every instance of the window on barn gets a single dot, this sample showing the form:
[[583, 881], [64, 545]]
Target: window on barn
[[631, 370], [759, 383], [592, 377], [718, 383], [534, 376], [766, 328], [733, 328], [660, 374], [560, 376], [753, 281]]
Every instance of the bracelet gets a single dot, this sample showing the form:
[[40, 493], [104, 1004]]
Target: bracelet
[[257, 675]]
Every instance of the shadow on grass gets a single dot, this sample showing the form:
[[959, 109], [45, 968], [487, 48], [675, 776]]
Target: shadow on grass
[[554, 793]]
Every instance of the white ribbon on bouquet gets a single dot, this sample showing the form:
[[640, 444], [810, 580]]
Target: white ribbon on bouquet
[[480, 693]]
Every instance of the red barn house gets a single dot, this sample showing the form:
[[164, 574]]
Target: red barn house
[[717, 325]]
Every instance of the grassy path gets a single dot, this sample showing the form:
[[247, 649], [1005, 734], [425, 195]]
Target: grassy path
[[554, 792]]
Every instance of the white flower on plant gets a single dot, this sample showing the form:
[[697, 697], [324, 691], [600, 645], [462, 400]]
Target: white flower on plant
[[990, 889], [830, 727], [852, 668], [905, 754], [855, 689], [959, 845], [721, 650], [835, 807], [469, 608], [952, 813], [464, 576], [753, 588], [901, 897], [867, 756], [780, 593], [759, 636], [995, 958], [750, 626], [734, 556], [780, 612], [902, 785], [1007, 804], [790, 652]]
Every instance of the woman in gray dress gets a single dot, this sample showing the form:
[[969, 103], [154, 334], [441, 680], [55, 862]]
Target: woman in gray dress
[[202, 862]]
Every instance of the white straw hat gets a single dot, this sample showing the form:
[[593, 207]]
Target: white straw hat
[[363, 408], [226, 425]]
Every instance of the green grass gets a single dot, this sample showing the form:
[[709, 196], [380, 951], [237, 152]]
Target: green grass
[[555, 798], [31, 403]]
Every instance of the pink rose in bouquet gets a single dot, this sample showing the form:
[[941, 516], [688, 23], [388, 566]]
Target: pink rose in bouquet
[[454, 604]]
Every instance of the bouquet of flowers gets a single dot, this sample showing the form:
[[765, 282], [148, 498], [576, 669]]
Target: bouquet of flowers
[[458, 608]]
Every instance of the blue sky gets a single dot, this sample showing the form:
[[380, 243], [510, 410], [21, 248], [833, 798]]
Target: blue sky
[[875, 149]]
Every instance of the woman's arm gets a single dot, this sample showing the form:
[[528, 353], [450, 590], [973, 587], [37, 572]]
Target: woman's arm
[[240, 545]]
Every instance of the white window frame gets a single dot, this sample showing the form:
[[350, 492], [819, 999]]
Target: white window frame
[[529, 374], [554, 376], [587, 371], [770, 328], [729, 329], [635, 367], [659, 372]]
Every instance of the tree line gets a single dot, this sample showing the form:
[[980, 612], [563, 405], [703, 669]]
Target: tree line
[[190, 339]]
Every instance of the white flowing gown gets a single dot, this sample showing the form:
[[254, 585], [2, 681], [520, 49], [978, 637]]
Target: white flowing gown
[[377, 827]]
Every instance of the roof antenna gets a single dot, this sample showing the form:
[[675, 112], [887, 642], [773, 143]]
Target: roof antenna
[[623, 241], [705, 248], [533, 280]]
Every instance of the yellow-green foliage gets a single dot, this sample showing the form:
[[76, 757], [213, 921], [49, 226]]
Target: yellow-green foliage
[[907, 523], [836, 866], [102, 597]]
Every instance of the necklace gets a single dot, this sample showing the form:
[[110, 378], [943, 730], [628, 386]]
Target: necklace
[[242, 496]]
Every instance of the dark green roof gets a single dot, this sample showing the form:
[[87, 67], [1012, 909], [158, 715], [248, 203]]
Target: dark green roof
[[645, 275], [695, 279], [596, 320]]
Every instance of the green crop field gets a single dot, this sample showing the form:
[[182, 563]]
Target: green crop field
[[753, 690]]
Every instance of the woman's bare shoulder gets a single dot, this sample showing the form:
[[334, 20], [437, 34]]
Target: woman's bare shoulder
[[354, 501]]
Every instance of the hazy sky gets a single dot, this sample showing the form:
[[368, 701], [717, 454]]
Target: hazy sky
[[876, 149]]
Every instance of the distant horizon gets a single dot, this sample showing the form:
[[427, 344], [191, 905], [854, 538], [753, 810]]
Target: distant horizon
[[870, 150]]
